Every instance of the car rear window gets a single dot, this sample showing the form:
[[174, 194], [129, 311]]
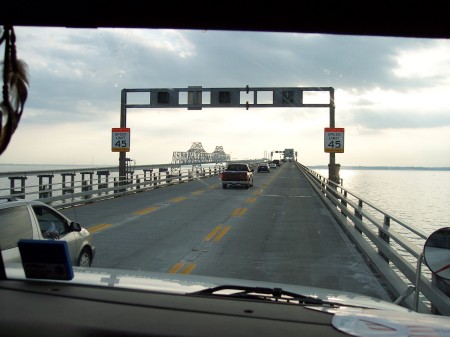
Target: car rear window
[[236, 168], [15, 224]]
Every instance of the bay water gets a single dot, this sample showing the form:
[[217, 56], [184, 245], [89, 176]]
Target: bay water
[[418, 197]]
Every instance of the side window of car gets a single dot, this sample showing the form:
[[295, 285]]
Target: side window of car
[[15, 224], [49, 221]]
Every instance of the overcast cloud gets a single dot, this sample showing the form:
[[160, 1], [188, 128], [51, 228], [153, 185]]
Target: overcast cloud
[[392, 95]]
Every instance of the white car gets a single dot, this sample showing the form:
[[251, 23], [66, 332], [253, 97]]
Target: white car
[[39, 221]]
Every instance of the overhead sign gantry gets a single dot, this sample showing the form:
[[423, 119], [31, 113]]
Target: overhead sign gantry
[[198, 98]]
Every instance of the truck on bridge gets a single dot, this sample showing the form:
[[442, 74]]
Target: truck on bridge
[[237, 174]]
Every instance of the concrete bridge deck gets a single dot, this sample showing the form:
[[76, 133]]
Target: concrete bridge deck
[[277, 231]]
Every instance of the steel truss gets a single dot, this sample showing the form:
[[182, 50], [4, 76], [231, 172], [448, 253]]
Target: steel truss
[[197, 154]]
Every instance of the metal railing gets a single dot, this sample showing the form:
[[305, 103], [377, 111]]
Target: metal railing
[[66, 188], [391, 247]]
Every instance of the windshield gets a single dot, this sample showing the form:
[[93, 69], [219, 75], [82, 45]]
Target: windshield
[[130, 133]]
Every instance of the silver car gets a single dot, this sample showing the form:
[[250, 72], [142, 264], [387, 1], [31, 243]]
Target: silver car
[[39, 221]]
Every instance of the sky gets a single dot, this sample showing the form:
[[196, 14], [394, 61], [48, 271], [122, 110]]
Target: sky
[[392, 96]]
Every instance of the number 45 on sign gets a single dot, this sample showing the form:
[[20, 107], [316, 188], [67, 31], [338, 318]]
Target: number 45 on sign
[[120, 139], [334, 140]]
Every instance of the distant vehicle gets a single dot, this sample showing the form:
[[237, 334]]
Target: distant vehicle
[[276, 162], [263, 167], [37, 220], [237, 174], [272, 165]]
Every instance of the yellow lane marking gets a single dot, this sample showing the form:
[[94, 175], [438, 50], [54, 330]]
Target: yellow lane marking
[[178, 199], [186, 270], [250, 200], [214, 232], [176, 267], [154, 208], [189, 268], [198, 192], [258, 192], [239, 212], [146, 210], [222, 233], [99, 227]]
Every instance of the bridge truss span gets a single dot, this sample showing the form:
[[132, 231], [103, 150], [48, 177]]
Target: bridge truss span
[[197, 155]]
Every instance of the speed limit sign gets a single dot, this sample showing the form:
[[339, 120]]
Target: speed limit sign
[[334, 140], [120, 140]]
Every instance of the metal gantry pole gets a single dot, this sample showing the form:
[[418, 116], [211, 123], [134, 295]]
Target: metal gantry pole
[[333, 168], [227, 98], [123, 124]]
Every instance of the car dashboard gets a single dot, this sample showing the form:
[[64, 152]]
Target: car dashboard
[[48, 308]]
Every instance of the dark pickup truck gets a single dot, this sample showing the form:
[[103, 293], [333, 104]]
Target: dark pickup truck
[[237, 174]]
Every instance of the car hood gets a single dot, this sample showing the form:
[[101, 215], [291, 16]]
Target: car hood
[[183, 284]]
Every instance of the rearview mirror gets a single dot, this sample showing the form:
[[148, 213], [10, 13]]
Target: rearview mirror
[[436, 252]]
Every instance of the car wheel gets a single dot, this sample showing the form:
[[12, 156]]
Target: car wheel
[[224, 186], [85, 259]]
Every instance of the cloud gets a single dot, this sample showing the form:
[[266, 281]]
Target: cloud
[[383, 86]]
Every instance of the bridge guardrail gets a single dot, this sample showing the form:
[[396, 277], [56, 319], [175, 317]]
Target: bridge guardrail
[[62, 193], [391, 247]]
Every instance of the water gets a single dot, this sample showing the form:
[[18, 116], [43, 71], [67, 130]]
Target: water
[[420, 198], [41, 167]]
